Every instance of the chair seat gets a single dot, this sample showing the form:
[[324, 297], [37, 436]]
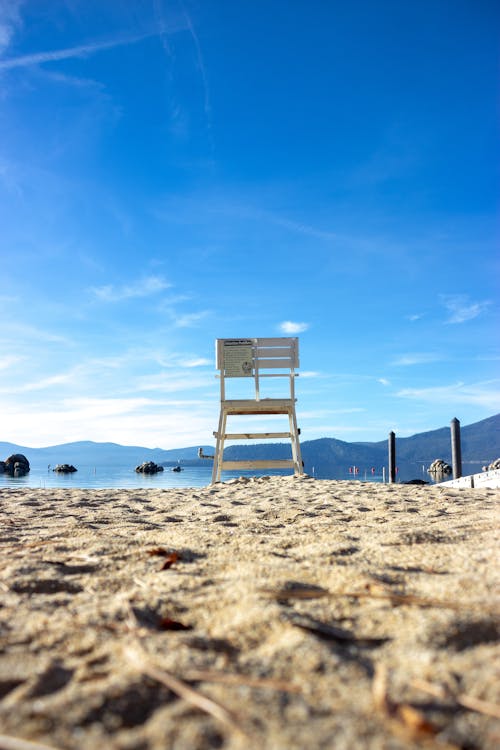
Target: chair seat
[[264, 406]]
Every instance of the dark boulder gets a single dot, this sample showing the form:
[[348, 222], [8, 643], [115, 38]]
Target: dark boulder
[[16, 465], [148, 467], [64, 469], [439, 467]]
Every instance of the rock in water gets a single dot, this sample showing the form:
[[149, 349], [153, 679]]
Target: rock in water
[[149, 467], [439, 467], [16, 465]]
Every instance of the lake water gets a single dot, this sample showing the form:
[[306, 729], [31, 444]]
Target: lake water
[[101, 477]]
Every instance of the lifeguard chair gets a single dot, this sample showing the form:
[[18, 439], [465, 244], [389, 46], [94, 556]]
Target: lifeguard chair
[[254, 360]]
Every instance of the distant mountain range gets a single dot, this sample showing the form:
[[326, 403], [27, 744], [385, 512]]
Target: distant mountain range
[[480, 445]]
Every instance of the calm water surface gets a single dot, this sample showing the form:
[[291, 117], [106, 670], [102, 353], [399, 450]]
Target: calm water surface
[[100, 477]]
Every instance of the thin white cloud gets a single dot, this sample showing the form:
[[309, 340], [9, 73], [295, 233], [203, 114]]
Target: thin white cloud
[[416, 358], [171, 382], [289, 326], [299, 227], [81, 50], [461, 309], [384, 381], [9, 360], [485, 394], [22, 332], [322, 413], [196, 362], [9, 20], [142, 288], [190, 320], [39, 385], [150, 422], [203, 73], [415, 316]]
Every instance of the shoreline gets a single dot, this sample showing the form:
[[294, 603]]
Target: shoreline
[[274, 613]]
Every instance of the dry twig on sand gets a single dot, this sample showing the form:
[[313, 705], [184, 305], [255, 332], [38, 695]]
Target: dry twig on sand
[[247, 680], [395, 598], [16, 743], [402, 719], [467, 701], [141, 662]]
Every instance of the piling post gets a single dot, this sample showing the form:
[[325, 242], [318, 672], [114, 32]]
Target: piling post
[[456, 450], [392, 457]]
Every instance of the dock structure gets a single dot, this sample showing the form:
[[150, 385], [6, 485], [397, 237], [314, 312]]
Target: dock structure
[[481, 480]]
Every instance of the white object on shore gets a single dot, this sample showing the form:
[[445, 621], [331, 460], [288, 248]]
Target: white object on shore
[[483, 480], [253, 358]]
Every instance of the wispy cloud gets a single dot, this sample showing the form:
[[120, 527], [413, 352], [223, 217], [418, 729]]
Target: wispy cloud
[[9, 20], [9, 360], [203, 73], [289, 326], [461, 309], [416, 358], [384, 381], [82, 50], [485, 394], [299, 227], [196, 362], [137, 421], [171, 382], [39, 385], [142, 288], [190, 320], [25, 334]]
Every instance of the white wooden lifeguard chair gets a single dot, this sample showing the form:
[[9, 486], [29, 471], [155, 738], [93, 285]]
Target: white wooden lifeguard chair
[[255, 359]]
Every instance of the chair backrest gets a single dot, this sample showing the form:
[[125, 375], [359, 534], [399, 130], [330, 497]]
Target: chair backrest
[[257, 358]]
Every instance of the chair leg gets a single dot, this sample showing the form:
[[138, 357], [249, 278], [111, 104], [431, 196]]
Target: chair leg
[[215, 467], [296, 454], [219, 448]]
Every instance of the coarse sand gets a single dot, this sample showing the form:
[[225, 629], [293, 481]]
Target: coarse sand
[[274, 613]]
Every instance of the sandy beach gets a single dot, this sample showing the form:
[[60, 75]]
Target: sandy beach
[[272, 613]]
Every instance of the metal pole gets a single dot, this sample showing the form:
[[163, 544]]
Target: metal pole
[[456, 450], [392, 457]]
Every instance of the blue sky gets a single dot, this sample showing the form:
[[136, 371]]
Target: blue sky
[[174, 172]]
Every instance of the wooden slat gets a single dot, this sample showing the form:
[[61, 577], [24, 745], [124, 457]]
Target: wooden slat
[[270, 464], [285, 363], [281, 348], [253, 435], [280, 341], [258, 408], [270, 351]]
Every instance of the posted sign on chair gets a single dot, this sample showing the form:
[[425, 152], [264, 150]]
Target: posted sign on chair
[[256, 360]]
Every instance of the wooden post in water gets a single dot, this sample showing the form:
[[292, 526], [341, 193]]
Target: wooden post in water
[[456, 450], [392, 457]]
